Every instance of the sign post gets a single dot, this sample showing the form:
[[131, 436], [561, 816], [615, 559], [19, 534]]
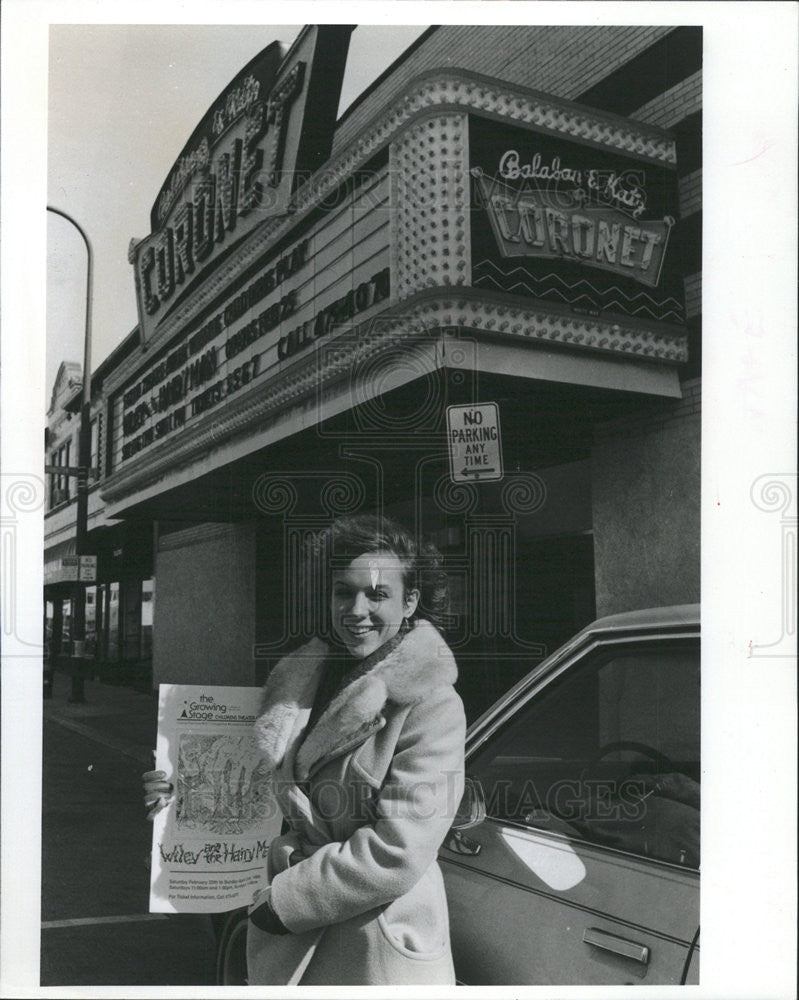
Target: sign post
[[475, 443], [77, 659]]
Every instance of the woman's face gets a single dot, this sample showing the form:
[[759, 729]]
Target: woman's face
[[369, 602]]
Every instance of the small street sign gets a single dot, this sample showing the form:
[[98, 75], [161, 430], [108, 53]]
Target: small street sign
[[475, 443], [87, 569], [72, 569], [81, 471]]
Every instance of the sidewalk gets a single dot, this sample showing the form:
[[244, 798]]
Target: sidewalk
[[96, 930], [115, 716]]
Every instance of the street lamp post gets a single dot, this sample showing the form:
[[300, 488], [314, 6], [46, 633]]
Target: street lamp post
[[84, 460]]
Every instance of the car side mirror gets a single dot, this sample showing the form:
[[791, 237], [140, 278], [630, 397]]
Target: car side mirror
[[472, 808]]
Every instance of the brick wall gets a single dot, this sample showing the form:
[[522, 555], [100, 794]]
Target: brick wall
[[668, 110], [560, 60], [673, 105], [690, 187], [693, 295]]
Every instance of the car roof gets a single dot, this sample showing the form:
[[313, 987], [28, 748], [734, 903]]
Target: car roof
[[675, 615]]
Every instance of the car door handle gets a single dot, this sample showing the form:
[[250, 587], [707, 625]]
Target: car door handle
[[618, 945], [460, 844]]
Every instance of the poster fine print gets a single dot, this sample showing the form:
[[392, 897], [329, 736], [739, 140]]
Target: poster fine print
[[211, 841]]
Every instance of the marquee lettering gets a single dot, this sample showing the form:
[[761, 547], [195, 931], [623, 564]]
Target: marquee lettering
[[527, 222], [263, 285], [606, 186], [367, 294], [223, 189]]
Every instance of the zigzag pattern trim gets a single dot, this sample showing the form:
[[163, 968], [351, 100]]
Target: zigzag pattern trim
[[522, 287], [519, 269], [638, 304]]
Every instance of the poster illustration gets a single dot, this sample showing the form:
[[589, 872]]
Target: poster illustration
[[210, 842]]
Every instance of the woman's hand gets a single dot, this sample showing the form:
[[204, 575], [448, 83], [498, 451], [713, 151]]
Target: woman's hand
[[157, 791]]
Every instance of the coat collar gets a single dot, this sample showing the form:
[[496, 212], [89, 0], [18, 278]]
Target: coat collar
[[420, 663]]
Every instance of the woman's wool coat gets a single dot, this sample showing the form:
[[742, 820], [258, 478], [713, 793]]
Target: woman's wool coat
[[382, 776]]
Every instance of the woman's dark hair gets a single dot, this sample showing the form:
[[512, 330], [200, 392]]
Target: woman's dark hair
[[350, 537]]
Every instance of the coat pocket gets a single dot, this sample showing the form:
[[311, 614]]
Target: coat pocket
[[416, 924]]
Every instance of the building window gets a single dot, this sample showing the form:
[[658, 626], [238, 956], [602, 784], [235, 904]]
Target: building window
[[49, 616], [59, 484], [147, 609], [130, 619], [94, 458], [91, 621], [53, 480], [64, 480], [113, 621], [66, 626]]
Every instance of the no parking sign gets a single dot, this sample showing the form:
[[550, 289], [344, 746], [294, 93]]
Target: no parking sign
[[475, 443]]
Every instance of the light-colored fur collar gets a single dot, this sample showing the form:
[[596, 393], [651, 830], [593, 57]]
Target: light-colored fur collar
[[421, 662]]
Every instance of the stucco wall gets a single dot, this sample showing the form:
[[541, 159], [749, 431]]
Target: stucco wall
[[646, 504], [204, 621]]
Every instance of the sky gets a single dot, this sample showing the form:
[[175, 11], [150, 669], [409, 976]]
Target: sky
[[122, 102]]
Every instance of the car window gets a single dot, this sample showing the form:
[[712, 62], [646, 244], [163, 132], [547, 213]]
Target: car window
[[607, 753]]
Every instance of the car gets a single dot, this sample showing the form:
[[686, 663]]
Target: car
[[575, 854], [574, 857]]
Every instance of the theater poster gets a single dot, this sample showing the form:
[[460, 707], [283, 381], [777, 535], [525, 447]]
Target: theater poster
[[210, 843]]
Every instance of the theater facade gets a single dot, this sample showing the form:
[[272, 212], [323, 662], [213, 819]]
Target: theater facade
[[507, 216]]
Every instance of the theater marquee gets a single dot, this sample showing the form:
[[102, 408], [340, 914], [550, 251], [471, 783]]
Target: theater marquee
[[214, 329], [250, 152], [572, 223]]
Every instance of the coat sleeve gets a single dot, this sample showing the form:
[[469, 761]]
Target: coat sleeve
[[415, 809]]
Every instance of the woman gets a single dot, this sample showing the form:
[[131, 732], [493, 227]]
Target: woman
[[364, 733]]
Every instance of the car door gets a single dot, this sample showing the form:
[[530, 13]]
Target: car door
[[585, 869]]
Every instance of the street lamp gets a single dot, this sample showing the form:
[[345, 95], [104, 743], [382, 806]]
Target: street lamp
[[84, 460]]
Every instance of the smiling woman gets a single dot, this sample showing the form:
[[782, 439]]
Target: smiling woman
[[370, 602], [365, 734], [379, 579]]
